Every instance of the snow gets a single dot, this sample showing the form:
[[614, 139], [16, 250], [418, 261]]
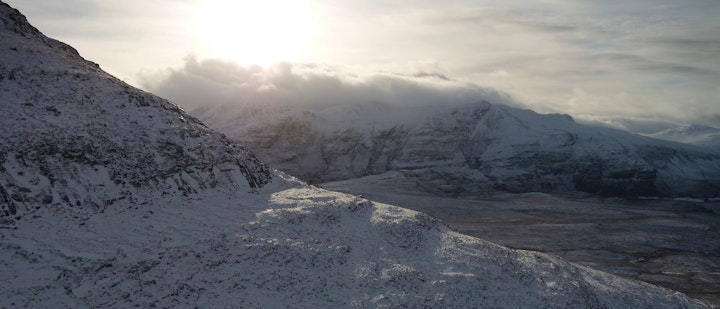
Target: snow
[[471, 148], [288, 245], [692, 134], [668, 242], [112, 197], [76, 137]]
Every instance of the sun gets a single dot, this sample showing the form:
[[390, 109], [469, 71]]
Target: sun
[[259, 32]]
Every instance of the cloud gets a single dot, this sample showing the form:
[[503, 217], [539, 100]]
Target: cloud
[[537, 21], [208, 82], [643, 60], [56, 9], [122, 36]]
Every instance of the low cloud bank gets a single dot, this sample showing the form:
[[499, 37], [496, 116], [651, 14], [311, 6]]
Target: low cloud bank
[[204, 83]]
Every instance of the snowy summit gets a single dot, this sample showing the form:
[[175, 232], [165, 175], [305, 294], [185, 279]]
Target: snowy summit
[[113, 197]]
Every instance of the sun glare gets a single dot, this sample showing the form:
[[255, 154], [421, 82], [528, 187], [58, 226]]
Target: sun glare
[[260, 32]]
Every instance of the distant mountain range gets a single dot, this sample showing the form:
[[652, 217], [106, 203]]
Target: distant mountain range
[[692, 134], [466, 149], [111, 197]]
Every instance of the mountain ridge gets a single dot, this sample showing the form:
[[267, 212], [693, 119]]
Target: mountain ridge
[[173, 214], [691, 134], [467, 148], [66, 130]]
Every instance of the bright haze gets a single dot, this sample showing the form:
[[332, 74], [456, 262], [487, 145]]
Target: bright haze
[[641, 65]]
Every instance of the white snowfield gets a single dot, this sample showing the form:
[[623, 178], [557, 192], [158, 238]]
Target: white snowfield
[[113, 198], [289, 245]]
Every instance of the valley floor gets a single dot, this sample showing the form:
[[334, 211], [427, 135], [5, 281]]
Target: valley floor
[[674, 244]]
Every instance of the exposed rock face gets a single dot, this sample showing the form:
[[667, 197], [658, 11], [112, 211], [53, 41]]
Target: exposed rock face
[[469, 149], [74, 136]]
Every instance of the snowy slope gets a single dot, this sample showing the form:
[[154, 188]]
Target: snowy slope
[[74, 136], [666, 242], [290, 246], [460, 149], [693, 134], [112, 197]]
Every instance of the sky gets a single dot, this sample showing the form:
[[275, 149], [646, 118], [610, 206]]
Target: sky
[[639, 65]]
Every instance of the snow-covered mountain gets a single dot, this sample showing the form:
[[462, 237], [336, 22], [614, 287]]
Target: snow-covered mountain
[[465, 148], [74, 136], [112, 197], [692, 134]]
